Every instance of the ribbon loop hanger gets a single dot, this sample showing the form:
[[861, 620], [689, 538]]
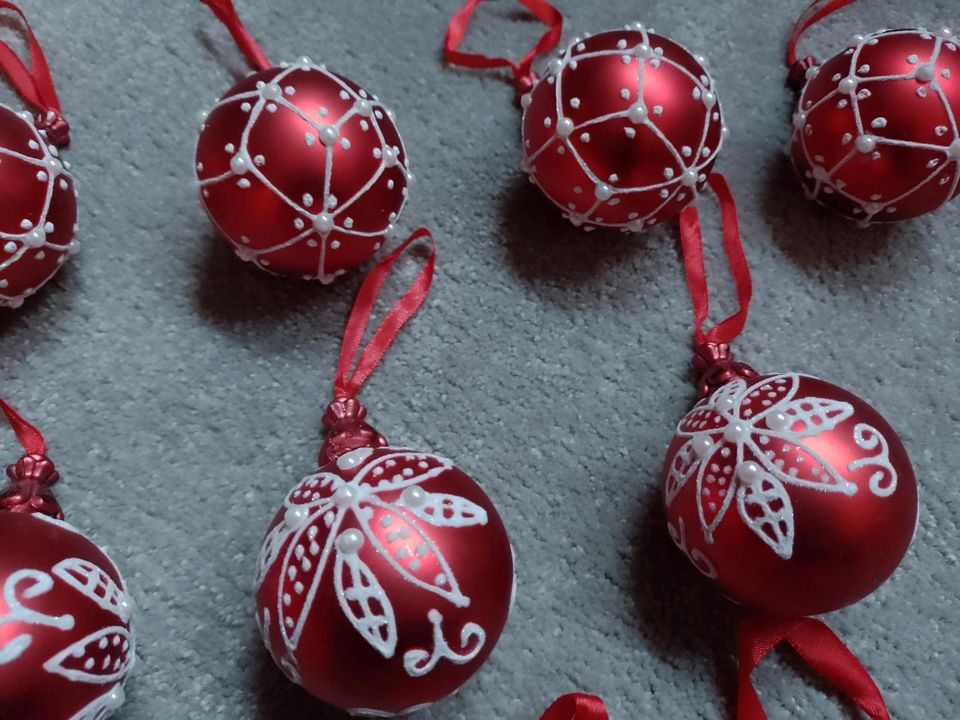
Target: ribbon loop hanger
[[227, 14], [35, 84], [523, 75], [816, 11]]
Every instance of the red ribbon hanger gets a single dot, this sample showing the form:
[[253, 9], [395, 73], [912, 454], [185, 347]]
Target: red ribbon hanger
[[344, 418], [227, 14], [35, 84], [523, 75], [815, 12], [33, 475], [576, 706], [30, 438], [759, 634]]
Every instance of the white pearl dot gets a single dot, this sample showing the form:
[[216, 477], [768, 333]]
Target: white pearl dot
[[329, 135], [637, 114], [925, 73], [866, 143], [294, 517], [603, 191], [954, 150], [735, 432], [847, 85], [689, 177], [239, 164], [413, 497], [323, 223], [778, 421], [271, 91], [350, 541], [702, 445], [749, 472], [564, 127], [344, 496]]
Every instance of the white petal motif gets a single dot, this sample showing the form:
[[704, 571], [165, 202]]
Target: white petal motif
[[768, 395], [410, 551], [92, 582], [401, 469], [442, 509], [365, 603], [809, 416], [314, 490], [716, 485], [270, 551], [681, 469], [102, 657], [796, 464], [766, 509]]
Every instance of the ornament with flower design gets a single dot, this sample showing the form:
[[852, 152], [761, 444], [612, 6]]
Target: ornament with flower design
[[385, 579], [797, 494], [66, 642]]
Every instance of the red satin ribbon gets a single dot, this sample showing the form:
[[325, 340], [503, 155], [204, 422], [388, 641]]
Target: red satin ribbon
[[347, 384], [692, 242], [576, 706], [35, 83], [815, 12], [227, 14], [29, 437], [820, 648], [522, 73]]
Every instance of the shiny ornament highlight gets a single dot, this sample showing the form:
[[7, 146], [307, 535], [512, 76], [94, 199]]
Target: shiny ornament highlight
[[875, 133], [384, 581], [792, 494], [38, 208], [623, 129], [302, 171]]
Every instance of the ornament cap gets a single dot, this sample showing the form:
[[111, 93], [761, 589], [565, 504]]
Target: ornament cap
[[31, 480], [347, 430], [55, 126], [717, 367], [797, 74]]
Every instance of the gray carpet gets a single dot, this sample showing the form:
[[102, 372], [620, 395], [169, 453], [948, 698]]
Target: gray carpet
[[181, 390]]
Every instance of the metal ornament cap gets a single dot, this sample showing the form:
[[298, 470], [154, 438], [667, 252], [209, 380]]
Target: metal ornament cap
[[794, 495], [875, 133], [67, 643], [623, 129], [384, 581], [302, 171]]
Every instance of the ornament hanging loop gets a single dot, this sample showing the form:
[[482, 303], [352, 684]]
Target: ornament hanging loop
[[35, 84], [712, 357], [816, 11], [344, 419], [227, 14], [576, 706], [33, 475], [524, 78]]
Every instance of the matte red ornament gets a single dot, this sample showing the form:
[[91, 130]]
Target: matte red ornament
[[66, 643], [38, 203], [875, 133], [385, 578], [300, 169], [623, 129], [794, 495]]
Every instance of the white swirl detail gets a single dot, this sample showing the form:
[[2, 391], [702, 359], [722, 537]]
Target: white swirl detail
[[883, 482], [40, 584], [418, 663]]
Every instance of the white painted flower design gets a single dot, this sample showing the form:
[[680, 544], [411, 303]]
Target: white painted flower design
[[386, 491], [746, 444]]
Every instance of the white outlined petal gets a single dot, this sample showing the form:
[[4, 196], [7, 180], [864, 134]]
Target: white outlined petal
[[715, 485], [401, 469], [442, 509], [766, 509], [365, 603], [93, 583], [102, 657]]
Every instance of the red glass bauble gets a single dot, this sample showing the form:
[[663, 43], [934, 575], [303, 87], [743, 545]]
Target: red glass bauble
[[38, 208], [66, 646], [302, 171], [875, 134], [792, 494], [623, 129], [384, 581]]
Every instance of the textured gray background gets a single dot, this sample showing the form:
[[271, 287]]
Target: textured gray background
[[181, 390]]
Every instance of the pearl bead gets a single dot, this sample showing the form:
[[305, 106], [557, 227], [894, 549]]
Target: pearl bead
[[726, 403], [350, 542], [847, 85], [866, 143], [637, 114], [271, 91], [323, 223], [735, 432], [294, 517], [702, 444], [344, 496], [564, 127], [778, 421], [749, 472], [413, 497], [353, 459], [925, 73], [329, 135], [239, 164], [689, 177]]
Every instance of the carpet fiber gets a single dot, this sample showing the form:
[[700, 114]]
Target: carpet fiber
[[181, 390]]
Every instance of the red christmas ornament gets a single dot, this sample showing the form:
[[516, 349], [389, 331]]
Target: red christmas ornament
[[624, 128], [875, 133], [385, 579], [792, 494], [66, 645], [38, 204], [300, 169]]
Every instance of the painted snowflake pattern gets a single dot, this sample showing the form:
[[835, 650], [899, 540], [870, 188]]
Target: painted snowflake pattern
[[663, 129], [315, 548], [322, 222], [746, 444], [875, 134]]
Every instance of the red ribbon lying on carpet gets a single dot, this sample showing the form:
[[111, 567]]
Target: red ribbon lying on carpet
[[576, 706], [227, 14], [820, 648]]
